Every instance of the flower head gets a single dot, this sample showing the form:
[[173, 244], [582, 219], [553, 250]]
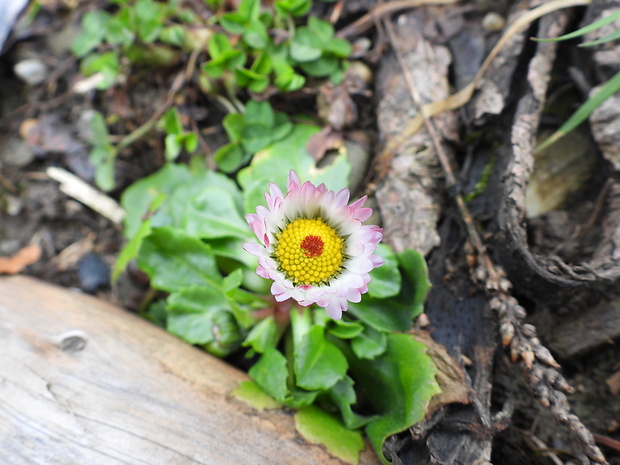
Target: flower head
[[314, 246]]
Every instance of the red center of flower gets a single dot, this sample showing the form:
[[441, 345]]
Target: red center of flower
[[312, 246]]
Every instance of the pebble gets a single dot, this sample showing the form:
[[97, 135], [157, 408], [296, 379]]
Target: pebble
[[93, 273], [493, 22], [31, 71]]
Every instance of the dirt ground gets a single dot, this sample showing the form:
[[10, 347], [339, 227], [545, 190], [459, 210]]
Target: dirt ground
[[561, 257]]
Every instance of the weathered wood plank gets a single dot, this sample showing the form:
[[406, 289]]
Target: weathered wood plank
[[84, 382]]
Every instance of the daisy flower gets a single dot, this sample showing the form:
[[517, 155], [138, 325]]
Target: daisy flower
[[313, 246]]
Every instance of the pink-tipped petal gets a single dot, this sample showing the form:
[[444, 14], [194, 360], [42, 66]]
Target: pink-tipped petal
[[309, 201]]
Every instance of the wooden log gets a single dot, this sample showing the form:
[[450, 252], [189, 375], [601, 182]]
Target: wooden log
[[84, 382]]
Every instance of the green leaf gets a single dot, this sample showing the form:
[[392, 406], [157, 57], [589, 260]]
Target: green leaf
[[253, 81], [138, 197], [249, 9], [305, 46], [233, 22], [343, 395], [319, 364], [190, 141], [234, 123], [191, 312], [273, 164], [340, 48], [397, 314], [229, 157], [212, 214], [105, 63], [385, 280], [260, 113], [369, 344], [320, 427], [415, 270], [603, 93], [172, 122], [149, 20], [265, 335], [173, 146], [255, 35], [98, 131], [94, 28], [227, 335], [399, 385], [270, 372], [251, 393], [117, 32], [102, 158], [295, 8], [255, 137], [324, 66], [174, 260], [322, 29], [173, 35], [218, 44], [130, 251], [584, 30], [343, 329]]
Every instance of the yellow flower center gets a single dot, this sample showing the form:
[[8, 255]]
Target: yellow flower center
[[309, 251]]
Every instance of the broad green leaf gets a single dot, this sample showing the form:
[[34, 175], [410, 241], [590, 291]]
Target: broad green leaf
[[397, 313], [140, 195], [174, 260], [255, 35], [233, 125], [227, 335], [230, 157], [260, 112], [218, 44], [415, 270], [603, 93], [399, 385], [320, 427], [340, 48], [191, 312], [369, 344], [190, 141], [130, 251], [249, 9], [149, 20], [105, 63], [252, 80], [319, 364], [305, 46], [212, 214], [117, 32], [324, 66], [322, 29], [343, 395], [343, 329], [233, 22], [173, 35], [274, 163], [102, 158], [263, 336], [256, 137], [270, 372], [385, 280], [98, 130], [250, 393], [172, 122], [94, 28], [172, 144]]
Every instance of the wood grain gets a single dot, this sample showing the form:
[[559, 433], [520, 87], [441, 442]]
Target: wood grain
[[84, 382]]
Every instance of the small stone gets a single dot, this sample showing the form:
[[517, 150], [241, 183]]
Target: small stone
[[493, 22], [31, 71]]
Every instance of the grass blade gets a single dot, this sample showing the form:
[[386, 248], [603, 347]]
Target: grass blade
[[607, 90], [584, 30]]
